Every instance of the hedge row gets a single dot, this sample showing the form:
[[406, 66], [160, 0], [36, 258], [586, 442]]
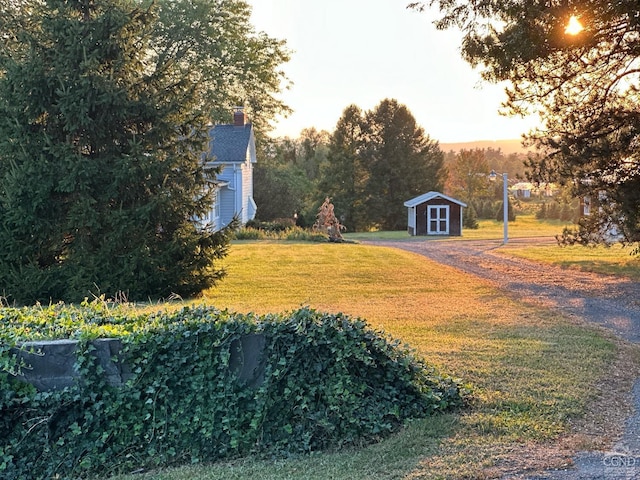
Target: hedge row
[[328, 381]]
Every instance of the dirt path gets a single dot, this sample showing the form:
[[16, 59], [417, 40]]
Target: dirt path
[[611, 302]]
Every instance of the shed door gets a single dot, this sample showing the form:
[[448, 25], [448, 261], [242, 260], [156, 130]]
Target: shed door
[[438, 220]]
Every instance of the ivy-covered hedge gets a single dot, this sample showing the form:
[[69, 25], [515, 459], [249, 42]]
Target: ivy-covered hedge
[[328, 381]]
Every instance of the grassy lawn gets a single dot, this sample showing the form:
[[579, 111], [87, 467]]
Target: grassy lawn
[[534, 373], [613, 260], [524, 226]]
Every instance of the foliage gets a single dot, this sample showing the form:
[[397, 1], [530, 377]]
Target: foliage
[[541, 213], [584, 86], [292, 234], [377, 160], [573, 236], [280, 190], [470, 218], [328, 381], [487, 209], [513, 163], [511, 214], [402, 162], [287, 174], [344, 176], [277, 225], [101, 108], [468, 177], [558, 210]]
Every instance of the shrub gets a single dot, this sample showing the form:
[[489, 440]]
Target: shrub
[[301, 234], [249, 233], [275, 226], [328, 380], [541, 214], [553, 211], [487, 210], [470, 218], [511, 216], [292, 234]]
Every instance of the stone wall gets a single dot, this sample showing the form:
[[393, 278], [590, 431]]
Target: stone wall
[[49, 365]]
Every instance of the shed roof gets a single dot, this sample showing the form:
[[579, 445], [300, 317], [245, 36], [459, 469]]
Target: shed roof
[[425, 197], [229, 143]]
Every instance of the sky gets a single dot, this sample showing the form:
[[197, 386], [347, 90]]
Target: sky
[[362, 51]]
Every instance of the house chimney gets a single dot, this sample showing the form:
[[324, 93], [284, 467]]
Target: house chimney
[[239, 118]]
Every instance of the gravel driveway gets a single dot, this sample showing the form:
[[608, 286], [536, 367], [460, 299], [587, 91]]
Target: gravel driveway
[[611, 302]]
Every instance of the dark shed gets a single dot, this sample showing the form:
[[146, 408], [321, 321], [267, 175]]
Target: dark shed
[[434, 213]]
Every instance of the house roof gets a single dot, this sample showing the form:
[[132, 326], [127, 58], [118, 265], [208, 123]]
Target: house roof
[[229, 143], [425, 197], [522, 186]]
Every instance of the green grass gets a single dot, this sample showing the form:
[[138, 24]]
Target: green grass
[[533, 371], [523, 227], [614, 260]]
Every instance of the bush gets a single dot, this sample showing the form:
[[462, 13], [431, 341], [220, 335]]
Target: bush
[[487, 210], [249, 233], [275, 226], [553, 211], [291, 233], [511, 216], [541, 214], [303, 235], [470, 218], [328, 380]]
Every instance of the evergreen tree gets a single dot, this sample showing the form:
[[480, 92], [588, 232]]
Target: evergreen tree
[[541, 214], [553, 211], [99, 145], [511, 214], [566, 212], [344, 175], [402, 162], [489, 209], [470, 218]]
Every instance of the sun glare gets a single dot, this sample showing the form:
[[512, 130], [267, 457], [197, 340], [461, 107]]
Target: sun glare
[[574, 27]]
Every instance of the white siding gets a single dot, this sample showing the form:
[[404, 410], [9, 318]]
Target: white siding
[[247, 192], [227, 205], [412, 217]]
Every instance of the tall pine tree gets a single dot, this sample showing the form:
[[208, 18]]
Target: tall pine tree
[[378, 160], [99, 147], [344, 175], [402, 162]]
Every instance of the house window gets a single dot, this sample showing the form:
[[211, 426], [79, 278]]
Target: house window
[[438, 220]]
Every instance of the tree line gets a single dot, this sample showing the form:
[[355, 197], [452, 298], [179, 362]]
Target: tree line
[[369, 166]]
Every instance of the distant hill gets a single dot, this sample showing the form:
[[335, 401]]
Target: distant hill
[[506, 146]]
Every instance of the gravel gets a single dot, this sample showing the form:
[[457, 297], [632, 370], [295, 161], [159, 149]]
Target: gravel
[[608, 301]]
